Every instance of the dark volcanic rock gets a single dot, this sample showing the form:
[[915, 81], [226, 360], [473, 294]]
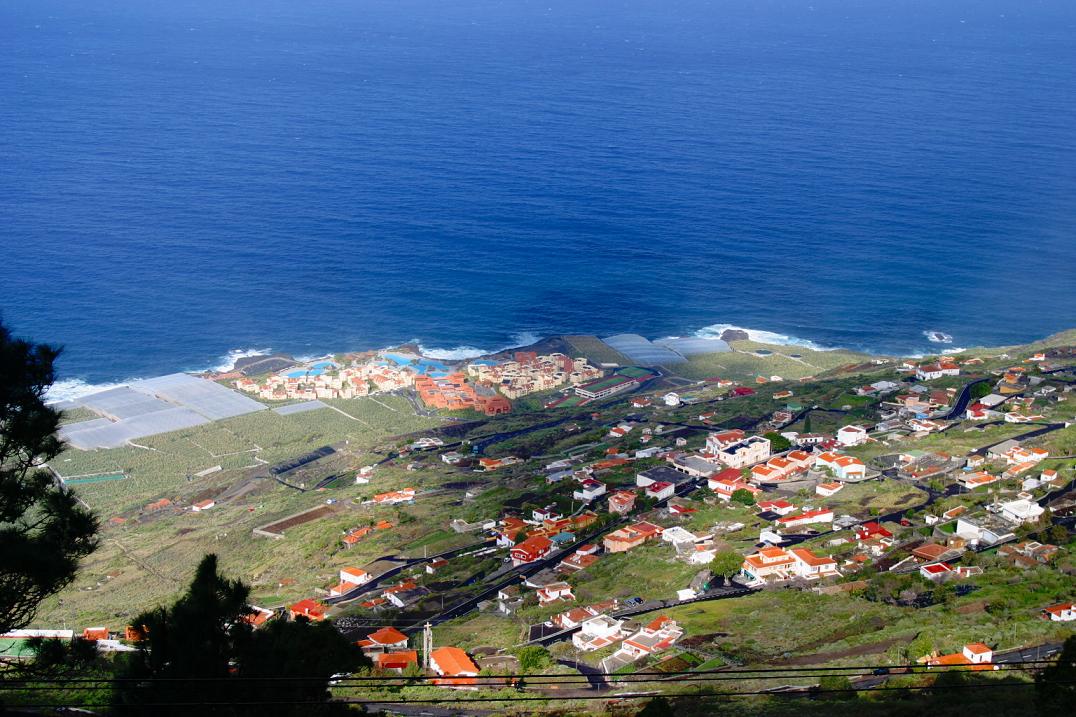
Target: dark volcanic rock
[[252, 365], [734, 335]]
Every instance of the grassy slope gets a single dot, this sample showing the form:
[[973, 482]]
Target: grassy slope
[[743, 365]]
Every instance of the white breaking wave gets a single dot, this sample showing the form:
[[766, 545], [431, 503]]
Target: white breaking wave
[[71, 389], [74, 388], [227, 362], [462, 353], [938, 337], [714, 331]]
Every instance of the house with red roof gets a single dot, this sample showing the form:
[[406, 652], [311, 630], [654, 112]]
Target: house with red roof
[[588, 490], [775, 565], [404, 495], [936, 572], [657, 636], [660, 490], [355, 576], [1062, 612], [383, 640], [554, 592], [845, 468], [95, 633], [779, 507], [630, 537], [396, 661], [257, 616], [533, 548], [820, 515], [976, 656], [870, 531], [454, 666], [577, 561], [622, 502], [310, 609], [352, 537], [828, 489], [723, 488], [717, 441]]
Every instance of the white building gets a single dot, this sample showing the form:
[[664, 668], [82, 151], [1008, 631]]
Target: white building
[[745, 453], [598, 632], [1020, 511], [589, 490], [852, 435]]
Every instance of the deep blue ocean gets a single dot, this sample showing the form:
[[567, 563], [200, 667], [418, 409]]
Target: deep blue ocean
[[184, 178]]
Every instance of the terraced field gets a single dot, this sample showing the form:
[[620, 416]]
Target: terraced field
[[162, 466]]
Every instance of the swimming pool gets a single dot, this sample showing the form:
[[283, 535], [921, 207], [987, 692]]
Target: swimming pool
[[421, 364], [315, 370]]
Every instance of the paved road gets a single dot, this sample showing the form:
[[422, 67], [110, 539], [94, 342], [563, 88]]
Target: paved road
[[1046, 428], [963, 400], [594, 676], [511, 577], [374, 584], [425, 710], [1029, 654]]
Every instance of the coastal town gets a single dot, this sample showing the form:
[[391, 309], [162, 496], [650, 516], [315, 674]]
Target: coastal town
[[486, 386], [622, 521]]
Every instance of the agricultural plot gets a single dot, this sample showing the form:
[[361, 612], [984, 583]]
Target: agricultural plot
[[163, 464], [596, 350], [389, 414], [742, 365], [77, 414]]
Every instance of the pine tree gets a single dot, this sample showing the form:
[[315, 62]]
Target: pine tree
[[44, 532]]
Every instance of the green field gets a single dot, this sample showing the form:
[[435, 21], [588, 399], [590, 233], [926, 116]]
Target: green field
[[741, 365], [596, 350], [85, 480], [161, 466]]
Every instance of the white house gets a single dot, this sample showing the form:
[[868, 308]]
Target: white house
[[676, 534], [1065, 612], [554, 592], [828, 489], [821, 515], [598, 632], [852, 435], [1020, 511], [355, 576], [589, 490], [672, 399], [745, 453], [660, 490], [929, 372], [846, 468]]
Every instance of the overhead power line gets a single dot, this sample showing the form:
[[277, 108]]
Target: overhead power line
[[515, 698]]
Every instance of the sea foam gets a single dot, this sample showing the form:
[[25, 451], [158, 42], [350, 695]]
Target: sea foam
[[462, 353], [70, 389], [714, 331]]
